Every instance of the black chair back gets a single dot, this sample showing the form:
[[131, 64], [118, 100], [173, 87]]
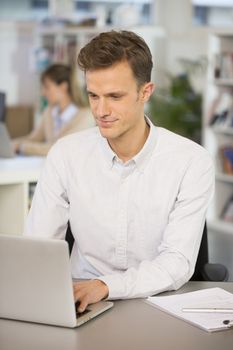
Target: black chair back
[[69, 238], [202, 258]]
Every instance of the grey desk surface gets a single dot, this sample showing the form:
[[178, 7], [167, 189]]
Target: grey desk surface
[[131, 324]]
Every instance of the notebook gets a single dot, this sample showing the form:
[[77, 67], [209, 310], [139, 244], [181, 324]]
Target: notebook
[[205, 299]]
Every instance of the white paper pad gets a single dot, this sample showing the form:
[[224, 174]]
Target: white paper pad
[[205, 298]]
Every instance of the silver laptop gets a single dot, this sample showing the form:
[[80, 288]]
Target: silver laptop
[[36, 283], [6, 150]]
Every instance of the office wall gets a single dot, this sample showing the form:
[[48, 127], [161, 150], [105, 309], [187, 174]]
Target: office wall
[[184, 40]]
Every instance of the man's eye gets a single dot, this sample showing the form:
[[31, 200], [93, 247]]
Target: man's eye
[[93, 97], [116, 97]]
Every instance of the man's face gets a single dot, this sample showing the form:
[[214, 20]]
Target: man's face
[[116, 101]]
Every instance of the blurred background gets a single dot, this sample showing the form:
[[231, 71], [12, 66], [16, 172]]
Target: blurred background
[[192, 46]]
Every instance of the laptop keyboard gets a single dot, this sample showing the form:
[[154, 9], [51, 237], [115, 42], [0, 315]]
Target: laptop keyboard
[[79, 314]]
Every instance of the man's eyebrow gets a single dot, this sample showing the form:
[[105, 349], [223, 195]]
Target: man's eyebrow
[[120, 93], [90, 92]]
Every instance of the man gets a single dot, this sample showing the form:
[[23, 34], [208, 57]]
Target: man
[[135, 195]]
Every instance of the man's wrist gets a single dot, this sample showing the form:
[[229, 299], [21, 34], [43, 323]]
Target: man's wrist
[[105, 288]]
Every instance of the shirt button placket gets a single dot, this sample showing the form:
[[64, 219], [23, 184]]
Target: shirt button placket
[[121, 244]]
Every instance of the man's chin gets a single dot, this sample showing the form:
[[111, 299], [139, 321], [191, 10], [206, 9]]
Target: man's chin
[[107, 133]]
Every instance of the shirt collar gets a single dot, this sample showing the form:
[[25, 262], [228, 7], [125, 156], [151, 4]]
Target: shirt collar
[[142, 157]]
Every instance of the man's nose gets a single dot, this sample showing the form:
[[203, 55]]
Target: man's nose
[[102, 109]]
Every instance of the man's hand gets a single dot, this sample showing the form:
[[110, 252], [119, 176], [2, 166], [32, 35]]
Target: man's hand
[[89, 292]]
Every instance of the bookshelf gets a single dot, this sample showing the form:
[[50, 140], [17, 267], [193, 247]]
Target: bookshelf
[[218, 139]]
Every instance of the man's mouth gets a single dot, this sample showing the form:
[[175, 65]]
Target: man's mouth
[[106, 122]]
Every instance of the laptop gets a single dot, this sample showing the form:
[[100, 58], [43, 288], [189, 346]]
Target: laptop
[[6, 149], [36, 284]]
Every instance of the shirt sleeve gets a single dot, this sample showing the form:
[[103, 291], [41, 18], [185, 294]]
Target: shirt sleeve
[[49, 212], [175, 263]]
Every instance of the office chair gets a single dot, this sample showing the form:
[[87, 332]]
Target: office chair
[[204, 271], [69, 238]]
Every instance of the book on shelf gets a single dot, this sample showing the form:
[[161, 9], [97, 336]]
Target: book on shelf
[[223, 66], [222, 119], [65, 51], [62, 51], [227, 213], [226, 157]]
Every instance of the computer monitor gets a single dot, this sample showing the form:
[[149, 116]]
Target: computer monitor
[[2, 106]]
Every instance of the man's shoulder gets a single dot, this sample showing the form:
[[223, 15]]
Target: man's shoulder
[[84, 137], [170, 141], [181, 151], [77, 144]]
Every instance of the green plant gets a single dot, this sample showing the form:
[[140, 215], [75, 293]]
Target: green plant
[[179, 107]]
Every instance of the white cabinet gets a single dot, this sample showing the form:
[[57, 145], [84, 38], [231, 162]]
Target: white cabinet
[[16, 175]]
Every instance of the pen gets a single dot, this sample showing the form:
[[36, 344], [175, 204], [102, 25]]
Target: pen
[[208, 309]]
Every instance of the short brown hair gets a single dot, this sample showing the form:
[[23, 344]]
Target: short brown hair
[[111, 47]]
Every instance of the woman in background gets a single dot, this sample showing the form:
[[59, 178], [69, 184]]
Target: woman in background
[[66, 112]]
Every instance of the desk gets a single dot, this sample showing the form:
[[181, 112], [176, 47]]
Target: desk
[[15, 176], [129, 325]]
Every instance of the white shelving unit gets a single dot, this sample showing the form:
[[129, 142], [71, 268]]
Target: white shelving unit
[[16, 175], [216, 136]]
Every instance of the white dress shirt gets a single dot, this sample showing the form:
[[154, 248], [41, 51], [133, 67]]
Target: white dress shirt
[[137, 225]]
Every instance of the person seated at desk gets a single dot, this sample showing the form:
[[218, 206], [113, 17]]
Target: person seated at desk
[[64, 115], [135, 195]]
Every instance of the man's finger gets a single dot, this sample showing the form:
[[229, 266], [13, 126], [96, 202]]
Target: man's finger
[[79, 295], [83, 305]]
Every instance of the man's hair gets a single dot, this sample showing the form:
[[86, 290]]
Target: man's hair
[[112, 47]]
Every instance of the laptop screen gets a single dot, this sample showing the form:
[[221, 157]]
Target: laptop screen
[[2, 106]]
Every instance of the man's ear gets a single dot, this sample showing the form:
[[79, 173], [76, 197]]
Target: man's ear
[[147, 91]]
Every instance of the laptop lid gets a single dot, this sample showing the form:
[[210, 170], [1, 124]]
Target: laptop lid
[[36, 283], [6, 150]]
